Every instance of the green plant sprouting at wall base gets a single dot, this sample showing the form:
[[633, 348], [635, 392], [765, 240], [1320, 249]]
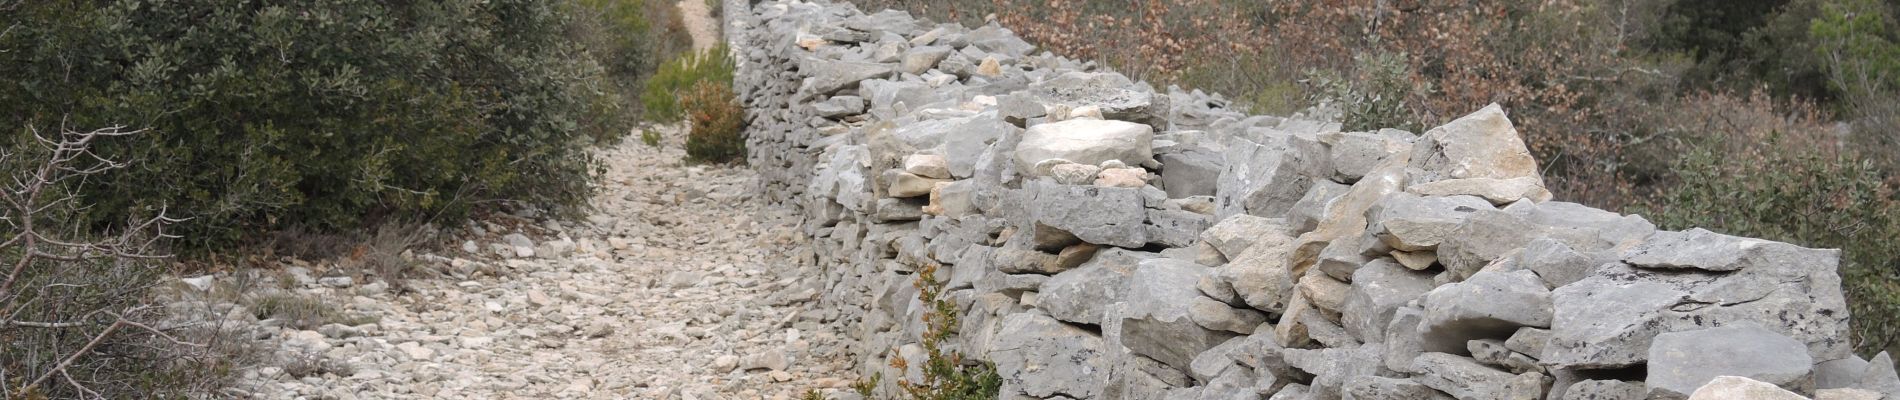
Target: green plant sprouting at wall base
[[946, 374]]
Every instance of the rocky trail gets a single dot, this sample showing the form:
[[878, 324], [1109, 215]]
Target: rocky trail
[[677, 286], [700, 23]]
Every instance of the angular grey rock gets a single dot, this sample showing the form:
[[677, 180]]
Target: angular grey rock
[[1492, 352], [1306, 213], [1069, 173], [1013, 260], [830, 76], [1118, 97], [1100, 215], [1556, 263], [1333, 367], [1293, 391], [1234, 384], [1739, 388], [1213, 314], [891, 210], [1176, 228], [1356, 153], [1680, 362], [1234, 234], [1480, 145], [1325, 293], [1265, 175], [1412, 223], [1133, 376], [1218, 359], [1402, 341], [1465, 379], [1497, 191], [1697, 248], [1608, 319], [1485, 236], [922, 58], [1530, 341], [838, 106], [1043, 357], [1842, 373], [1606, 390], [1018, 108], [1880, 376], [1378, 290], [1259, 276], [1489, 305], [905, 184], [955, 200], [1158, 321], [1010, 284], [1085, 141], [1080, 295], [1372, 387], [1325, 331], [1190, 172], [929, 166]]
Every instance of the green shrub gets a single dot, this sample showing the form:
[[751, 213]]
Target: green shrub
[[662, 94], [630, 38], [1374, 96], [716, 121], [330, 113]]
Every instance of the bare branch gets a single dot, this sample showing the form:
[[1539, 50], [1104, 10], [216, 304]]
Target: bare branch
[[61, 368], [49, 325]]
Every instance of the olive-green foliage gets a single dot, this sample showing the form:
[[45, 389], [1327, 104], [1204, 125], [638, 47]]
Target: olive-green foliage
[[1802, 197], [1374, 96], [303, 312], [650, 137], [325, 113], [716, 121], [662, 94], [630, 38]]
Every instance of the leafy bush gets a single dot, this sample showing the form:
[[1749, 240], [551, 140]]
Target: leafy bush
[[716, 121], [662, 96], [1376, 95], [630, 38], [329, 113]]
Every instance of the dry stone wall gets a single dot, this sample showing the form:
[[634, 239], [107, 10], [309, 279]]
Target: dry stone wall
[[1108, 240]]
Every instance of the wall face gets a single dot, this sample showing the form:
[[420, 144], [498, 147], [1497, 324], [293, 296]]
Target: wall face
[[1108, 240]]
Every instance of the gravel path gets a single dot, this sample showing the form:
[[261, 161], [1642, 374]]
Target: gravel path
[[680, 286], [700, 23]]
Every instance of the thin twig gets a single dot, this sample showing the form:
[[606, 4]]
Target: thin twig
[[61, 368]]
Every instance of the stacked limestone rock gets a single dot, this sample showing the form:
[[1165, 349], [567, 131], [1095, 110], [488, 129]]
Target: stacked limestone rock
[[1107, 240]]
